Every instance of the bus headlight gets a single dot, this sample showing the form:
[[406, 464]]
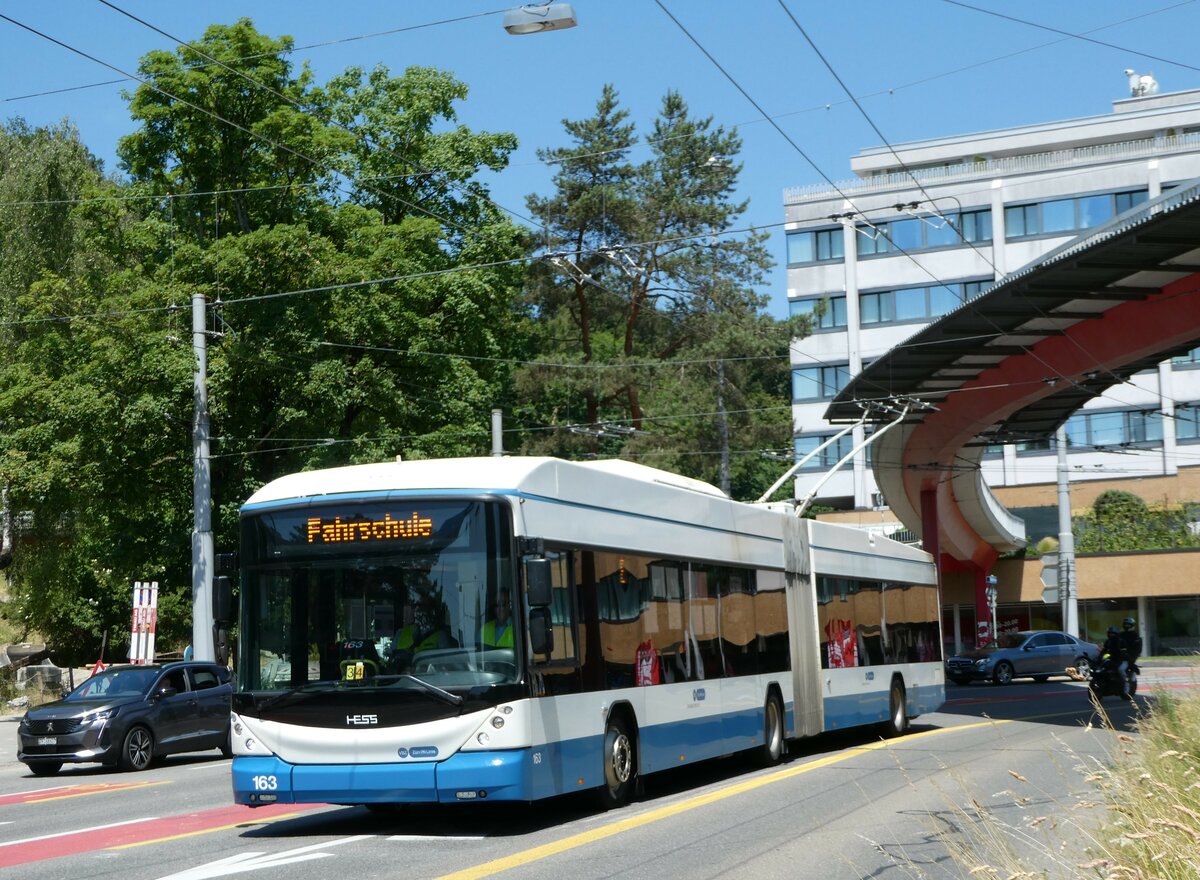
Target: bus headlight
[[483, 739], [497, 722]]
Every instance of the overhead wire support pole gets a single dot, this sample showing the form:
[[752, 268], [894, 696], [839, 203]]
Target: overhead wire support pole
[[203, 556], [812, 493]]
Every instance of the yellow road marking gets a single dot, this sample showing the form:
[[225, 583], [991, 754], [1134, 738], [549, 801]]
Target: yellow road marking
[[582, 839], [99, 788]]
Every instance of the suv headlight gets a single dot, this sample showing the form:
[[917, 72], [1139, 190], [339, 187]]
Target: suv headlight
[[981, 662], [101, 715]]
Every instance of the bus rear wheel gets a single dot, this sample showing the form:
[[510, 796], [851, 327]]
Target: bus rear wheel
[[897, 721], [619, 768], [771, 752]]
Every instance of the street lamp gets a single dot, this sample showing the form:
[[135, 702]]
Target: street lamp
[[533, 19]]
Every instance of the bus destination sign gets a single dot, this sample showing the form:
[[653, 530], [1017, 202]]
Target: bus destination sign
[[340, 531]]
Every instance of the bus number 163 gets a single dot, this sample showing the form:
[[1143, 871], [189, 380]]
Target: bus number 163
[[265, 783]]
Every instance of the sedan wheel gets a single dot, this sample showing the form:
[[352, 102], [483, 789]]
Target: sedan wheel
[[1003, 673], [137, 750]]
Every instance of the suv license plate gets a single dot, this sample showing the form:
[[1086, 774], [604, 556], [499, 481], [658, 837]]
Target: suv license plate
[[47, 740]]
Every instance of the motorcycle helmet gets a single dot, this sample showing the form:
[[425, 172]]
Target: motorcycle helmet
[[1129, 623], [1113, 631]]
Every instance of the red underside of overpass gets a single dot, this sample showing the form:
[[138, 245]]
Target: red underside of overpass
[[1128, 332]]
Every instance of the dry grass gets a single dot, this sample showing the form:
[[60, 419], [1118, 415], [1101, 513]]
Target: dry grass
[[1141, 823]]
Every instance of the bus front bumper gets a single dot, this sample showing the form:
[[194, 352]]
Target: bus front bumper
[[462, 778]]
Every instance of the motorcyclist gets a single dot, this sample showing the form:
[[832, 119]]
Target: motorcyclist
[[1113, 646], [1131, 650]]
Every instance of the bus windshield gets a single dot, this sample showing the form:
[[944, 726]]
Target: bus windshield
[[405, 594]]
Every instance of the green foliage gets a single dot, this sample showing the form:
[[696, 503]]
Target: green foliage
[[96, 373], [1121, 521]]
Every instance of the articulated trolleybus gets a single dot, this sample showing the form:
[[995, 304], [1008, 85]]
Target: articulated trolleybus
[[516, 628]]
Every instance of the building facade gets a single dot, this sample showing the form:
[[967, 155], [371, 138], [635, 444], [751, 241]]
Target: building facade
[[927, 226]]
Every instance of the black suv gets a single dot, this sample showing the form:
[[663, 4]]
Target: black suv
[[129, 715]]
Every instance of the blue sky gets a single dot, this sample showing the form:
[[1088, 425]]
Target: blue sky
[[921, 68]]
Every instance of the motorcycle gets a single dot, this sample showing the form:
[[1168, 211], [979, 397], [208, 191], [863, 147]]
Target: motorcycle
[[1106, 679]]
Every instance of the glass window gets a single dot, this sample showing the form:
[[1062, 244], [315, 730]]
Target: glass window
[[820, 382], [1106, 429], [906, 234], [972, 289], [1094, 210], [944, 299], [799, 307], [829, 244], [1187, 423], [832, 314], [872, 240], [910, 303], [837, 311], [800, 247], [829, 456], [814, 246], [873, 309], [1144, 427], [941, 233], [1058, 216], [355, 591], [1021, 220], [977, 226], [1077, 431], [1126, 200]]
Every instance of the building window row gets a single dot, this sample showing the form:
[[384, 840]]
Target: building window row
[[829, 456], [927, 233], [1115, 428], [1068, 215], [917, 303], [884, 306]]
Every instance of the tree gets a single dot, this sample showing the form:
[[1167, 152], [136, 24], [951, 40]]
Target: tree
[[248, 185], [647, 300]]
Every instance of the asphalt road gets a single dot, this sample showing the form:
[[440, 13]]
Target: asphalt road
[[841, 806]]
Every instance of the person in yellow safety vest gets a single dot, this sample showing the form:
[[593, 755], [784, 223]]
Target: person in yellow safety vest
[[498, 632]]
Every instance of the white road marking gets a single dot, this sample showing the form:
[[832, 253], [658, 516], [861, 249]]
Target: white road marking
[[252, 861], [79, 831]]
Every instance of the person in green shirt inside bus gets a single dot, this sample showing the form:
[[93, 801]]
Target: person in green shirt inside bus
[[497, 632], [425, 630]]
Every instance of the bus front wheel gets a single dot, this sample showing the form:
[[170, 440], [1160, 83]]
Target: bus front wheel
[[619, 769]]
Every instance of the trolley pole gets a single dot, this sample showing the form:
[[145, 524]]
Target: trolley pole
[[202, 536]]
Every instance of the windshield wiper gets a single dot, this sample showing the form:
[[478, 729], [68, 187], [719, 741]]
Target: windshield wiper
[[452, 699]]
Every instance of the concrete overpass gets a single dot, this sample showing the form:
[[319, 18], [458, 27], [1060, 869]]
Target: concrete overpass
[[1016, 362]]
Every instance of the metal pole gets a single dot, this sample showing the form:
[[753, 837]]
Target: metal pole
[[1066, 539], [723, 428], [498, 433], [202, 536]]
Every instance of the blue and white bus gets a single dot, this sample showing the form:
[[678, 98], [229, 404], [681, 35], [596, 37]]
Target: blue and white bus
[[517, 628]]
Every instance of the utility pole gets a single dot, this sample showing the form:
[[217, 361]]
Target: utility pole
[[1066, 539], [202, 536]]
